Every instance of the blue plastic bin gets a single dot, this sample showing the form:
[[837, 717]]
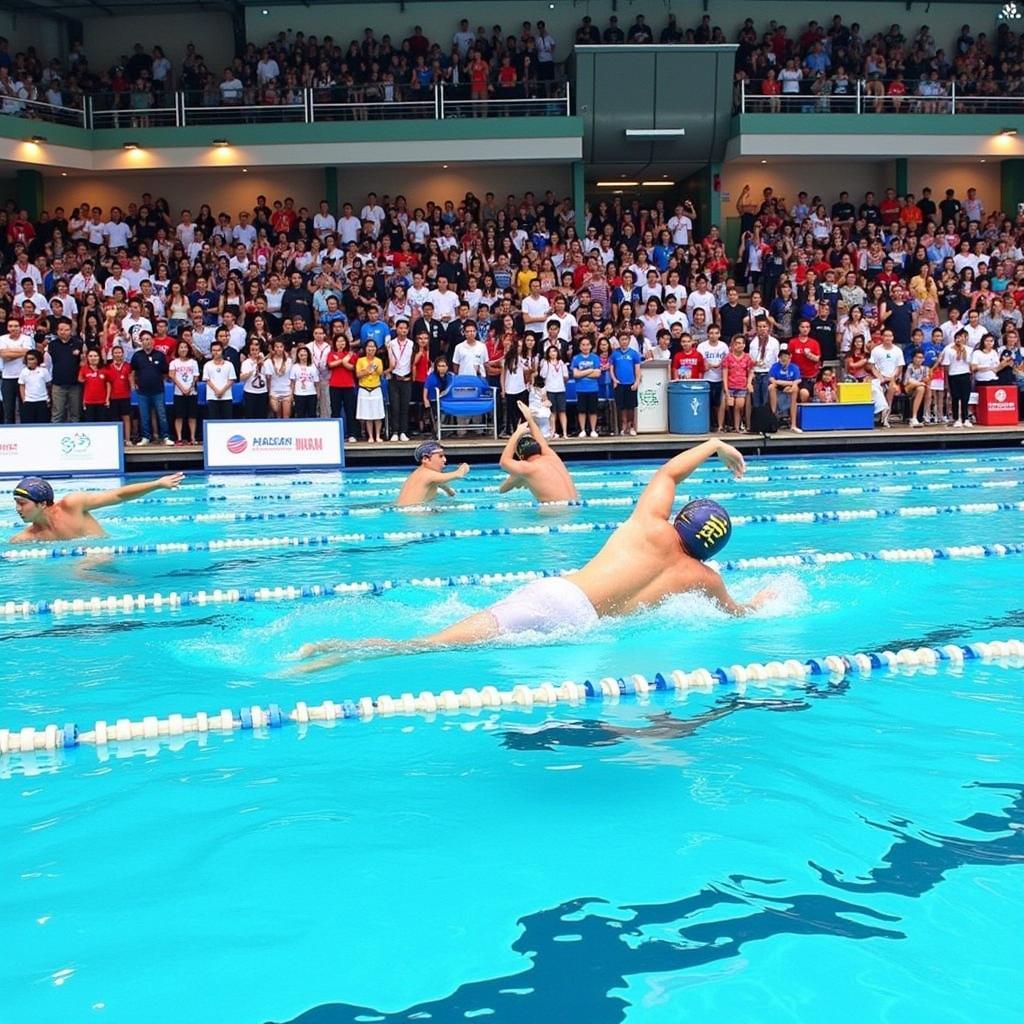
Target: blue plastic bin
[[689, 406]]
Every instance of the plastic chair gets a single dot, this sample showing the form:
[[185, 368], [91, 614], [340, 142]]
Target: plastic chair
[[467, 396]]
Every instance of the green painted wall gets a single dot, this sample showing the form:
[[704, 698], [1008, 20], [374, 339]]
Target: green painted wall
[[872, 124]]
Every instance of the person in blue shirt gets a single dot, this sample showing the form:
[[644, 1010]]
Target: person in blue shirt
[[586, 371], [438, 381], [932, 348], [663, 250], [624, 362], [374, 329], [784, 387]]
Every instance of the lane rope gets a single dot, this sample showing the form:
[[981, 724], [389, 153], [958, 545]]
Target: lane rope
[[40, 552], [176, 728], [203, 598]]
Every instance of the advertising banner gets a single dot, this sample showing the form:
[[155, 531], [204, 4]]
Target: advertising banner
[[61, 448], [273, 444]]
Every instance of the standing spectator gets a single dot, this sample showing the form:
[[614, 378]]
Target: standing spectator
[[34, 389], [66, 352], [149, 371], [624, 361], [399, 350], [218, 375], [96, 389], [304, 379], [13, 346]]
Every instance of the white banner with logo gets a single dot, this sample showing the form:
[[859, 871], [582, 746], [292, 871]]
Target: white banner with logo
[[52, 448], [273, 444]]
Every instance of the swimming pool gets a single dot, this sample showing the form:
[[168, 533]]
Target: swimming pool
[[785, 852]]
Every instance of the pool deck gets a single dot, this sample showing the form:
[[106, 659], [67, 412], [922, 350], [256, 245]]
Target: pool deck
[[644, 446]]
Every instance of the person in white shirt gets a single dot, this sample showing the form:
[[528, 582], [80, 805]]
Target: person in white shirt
[[236, 334], [567, 323], [790, 77], [118, 233], [324, 223], [13, 346], [956, 358], [218, 375], [274, 295], [34, 390], [886, 364], [95, 227], [349, 226], [714, 351], [267, 69], [985, 361], [373, 212], [681, 223], [417, 294], [973, 206], [133, 324], [463, 39], [973, 327], [185, 232], [446, 302], [400, 350], [536, 308], [319, 351], [184, 375], [764, 350], [673, 314], [243, 231], [470, 355], [701, 298], [419, 229], [304, 378]]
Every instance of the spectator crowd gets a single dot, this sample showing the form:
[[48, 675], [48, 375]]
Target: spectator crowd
[[821, 62], [369, 311]]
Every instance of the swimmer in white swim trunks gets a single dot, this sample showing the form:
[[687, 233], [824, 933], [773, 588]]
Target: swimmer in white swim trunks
[[648, 558]]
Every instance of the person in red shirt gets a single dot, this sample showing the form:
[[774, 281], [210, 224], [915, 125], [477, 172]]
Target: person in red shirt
[[119, 374], [95, 389], [20, 229], [687, 363], [163, 341], [910, 213], [283, 219], [889, 207], [479, 73], [806, 353]]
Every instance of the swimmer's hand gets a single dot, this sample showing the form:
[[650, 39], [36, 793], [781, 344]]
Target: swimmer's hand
[[733, 459], [761, 598], [523, 428], [171, 481], [462, 471]]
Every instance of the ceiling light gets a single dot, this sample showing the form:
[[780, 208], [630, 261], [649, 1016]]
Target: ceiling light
[[221, 143], [764, 161], [37, 139], [444, 167], [63, 174], [655, 133], [657, 184], [1008, 131], [245, 170], [615, 184], [264, 12], [130, 145]]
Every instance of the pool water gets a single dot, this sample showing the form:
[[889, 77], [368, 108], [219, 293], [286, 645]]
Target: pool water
[[793, 852]]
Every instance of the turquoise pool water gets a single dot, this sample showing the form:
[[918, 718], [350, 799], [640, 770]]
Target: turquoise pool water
[[796, 852]]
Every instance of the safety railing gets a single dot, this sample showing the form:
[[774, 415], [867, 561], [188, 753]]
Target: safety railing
[[371, 102], [819, 96]]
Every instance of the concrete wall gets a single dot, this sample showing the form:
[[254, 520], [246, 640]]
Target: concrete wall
[[942, 174], [825, 178], [24, 30], [231, 190], [440, 20], [106, 40]]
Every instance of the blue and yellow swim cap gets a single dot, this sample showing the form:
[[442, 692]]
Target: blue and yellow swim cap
[[34, 488], [704, 527]]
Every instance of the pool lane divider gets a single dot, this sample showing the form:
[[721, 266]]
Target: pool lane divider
[[615, 485], [623, 502], [204, 598], [521, 697], [39, 552]]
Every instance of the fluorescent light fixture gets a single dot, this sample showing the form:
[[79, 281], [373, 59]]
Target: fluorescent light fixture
[[657, 184], [130, 145], [221, 143], [655, 133], [615, 184]]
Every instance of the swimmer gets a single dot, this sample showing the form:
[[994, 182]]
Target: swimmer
[[429, 477], [532, 463], [648, 558], [71, 517]]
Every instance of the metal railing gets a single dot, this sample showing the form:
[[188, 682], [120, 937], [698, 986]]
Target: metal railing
[[871, 97], [373, 102]]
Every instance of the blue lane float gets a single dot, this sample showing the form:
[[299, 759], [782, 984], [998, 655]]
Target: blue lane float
[[172, 601], [176, 728], [40, 552]]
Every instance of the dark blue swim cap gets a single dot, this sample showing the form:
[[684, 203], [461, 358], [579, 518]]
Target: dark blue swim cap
[[425, 450], [34, 488], [526, 446], [704, 527]]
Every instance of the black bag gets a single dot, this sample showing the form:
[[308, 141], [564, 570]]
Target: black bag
[[763, 420]]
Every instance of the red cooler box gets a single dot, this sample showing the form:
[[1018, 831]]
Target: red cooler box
[[997, 405]]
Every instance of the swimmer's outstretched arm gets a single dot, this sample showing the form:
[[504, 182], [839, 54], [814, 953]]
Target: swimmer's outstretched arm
[[535, 432], [660, 493], [87, 501], [715, 589], [508, 461]]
